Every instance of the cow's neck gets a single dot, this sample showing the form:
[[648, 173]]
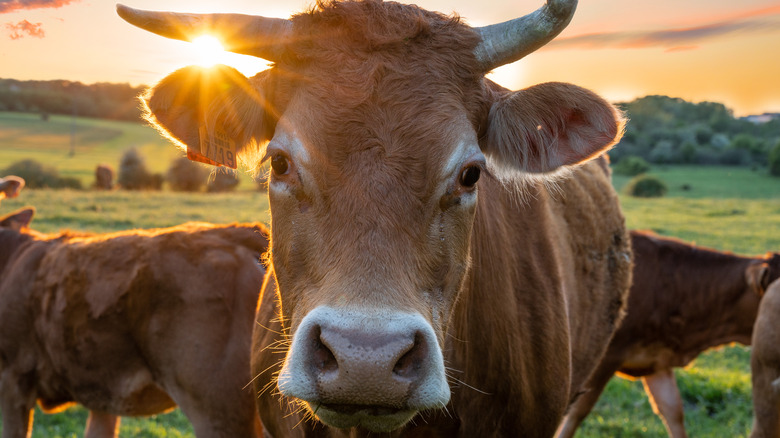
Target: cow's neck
[[721, 307], [497, 336]]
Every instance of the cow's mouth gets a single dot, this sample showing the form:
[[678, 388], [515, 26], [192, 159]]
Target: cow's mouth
[[370, 417]]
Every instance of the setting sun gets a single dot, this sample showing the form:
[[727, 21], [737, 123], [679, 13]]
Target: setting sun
[[208, 50]]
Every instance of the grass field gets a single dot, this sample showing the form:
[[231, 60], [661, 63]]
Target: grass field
[[730, 209]]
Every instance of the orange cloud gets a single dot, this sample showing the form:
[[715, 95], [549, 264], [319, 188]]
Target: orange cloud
[[763, 20], [19, 5], [23, 27]]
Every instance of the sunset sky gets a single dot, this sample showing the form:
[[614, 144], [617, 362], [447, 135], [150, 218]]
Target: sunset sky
[[717, 50]]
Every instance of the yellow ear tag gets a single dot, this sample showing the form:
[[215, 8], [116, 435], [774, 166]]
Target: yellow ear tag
[[216, 149]]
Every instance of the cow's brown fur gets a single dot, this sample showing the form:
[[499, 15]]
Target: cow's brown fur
[[130, 323], [684, 300], [523, 286], [765, 364]]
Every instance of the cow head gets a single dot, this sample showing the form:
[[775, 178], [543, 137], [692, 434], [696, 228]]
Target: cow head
[[378, 124]]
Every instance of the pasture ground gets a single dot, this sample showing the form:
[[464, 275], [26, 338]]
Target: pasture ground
[[734, 209]]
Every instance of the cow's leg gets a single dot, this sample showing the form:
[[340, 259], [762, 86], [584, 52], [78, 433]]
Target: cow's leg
[[661, 389], [16, 405], [585, 402], [102, 425], [766, 403], [220, 420]]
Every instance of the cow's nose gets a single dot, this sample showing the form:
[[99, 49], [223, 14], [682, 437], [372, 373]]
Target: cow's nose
[[349, 363], [343, 361]]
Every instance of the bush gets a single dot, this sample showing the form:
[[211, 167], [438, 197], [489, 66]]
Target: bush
[[223, 181], [774, 160], [133, 174], [104, 177], [186, 176], [646, 186], [36, 175], [631, 166]]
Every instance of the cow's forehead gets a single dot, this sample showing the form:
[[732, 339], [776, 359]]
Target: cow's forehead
[[439, 151]]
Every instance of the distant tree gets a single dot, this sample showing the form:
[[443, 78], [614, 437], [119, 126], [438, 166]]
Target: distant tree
[[37, 175], [774, 160], [133, 174], [631, 166], [222, 181], [104, 177], [186, 176]]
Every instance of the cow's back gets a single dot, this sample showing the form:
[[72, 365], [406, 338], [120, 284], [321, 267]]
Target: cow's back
[[135, 322]]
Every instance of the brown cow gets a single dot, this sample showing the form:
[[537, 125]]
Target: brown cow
[[131, 323], [684, 300], [10, 186], [765, 362], [429, 275]]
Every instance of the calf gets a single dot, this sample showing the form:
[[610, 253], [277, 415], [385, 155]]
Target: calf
[[131, 323], [684, 300]]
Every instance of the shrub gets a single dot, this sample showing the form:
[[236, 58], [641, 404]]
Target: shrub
[[36, 175], [223, 181], [133, 174], [69, 182], [631, 166], [186, 176], [104, 177], [774, 160], [646, 186]]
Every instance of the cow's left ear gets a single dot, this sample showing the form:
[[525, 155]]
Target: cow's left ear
[[757, 277], [547, 126], [215, 99], [18, 220]]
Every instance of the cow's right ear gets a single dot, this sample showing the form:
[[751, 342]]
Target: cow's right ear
[[757, 277], [548, 126], [18, 220], [217, 98]]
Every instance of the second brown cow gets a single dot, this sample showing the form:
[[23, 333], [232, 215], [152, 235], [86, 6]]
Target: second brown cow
[[684, 300]]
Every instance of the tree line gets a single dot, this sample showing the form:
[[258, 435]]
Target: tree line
[[100, 100], [666, 130]]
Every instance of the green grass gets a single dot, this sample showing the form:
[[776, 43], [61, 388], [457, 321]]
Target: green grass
[[99, 211], [716, 182], [726, 208]]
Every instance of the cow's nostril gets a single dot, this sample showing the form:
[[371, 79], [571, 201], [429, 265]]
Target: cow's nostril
[[322, 358], [409, 365]]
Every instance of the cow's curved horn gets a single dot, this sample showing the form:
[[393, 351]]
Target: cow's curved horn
[[263, 37], [511, 40]]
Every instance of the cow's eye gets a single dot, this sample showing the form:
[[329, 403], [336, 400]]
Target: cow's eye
[[280, 164], [469, 176]]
